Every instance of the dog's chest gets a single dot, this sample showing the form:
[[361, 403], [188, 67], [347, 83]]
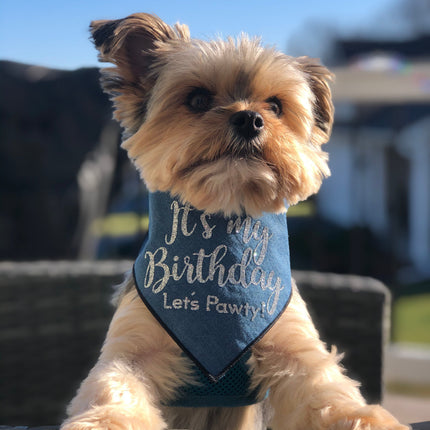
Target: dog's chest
[[216, 284]]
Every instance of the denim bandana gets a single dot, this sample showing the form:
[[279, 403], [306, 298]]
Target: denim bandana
[[216, 284]]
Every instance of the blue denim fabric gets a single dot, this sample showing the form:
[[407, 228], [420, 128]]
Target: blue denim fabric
[[216, 284]]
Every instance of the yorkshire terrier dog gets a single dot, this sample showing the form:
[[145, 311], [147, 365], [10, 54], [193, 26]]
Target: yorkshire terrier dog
[[210, 331]]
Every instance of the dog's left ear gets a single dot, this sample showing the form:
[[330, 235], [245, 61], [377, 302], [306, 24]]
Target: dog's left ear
[[319, 78]]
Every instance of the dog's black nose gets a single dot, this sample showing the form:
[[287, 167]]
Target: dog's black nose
[[247, 123]]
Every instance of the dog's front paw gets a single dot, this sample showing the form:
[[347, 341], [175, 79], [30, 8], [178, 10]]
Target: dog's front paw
[[113, 418], [372, 417]]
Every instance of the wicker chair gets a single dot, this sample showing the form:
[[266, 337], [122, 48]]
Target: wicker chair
[[54, 316]]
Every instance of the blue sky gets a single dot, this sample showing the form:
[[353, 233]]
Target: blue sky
[[54, 33]]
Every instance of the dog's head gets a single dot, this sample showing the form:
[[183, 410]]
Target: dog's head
[[228, 126]]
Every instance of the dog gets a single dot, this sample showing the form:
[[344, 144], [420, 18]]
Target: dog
[[214, 335]]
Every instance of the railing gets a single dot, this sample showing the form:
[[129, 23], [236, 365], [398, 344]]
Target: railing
[[415, 426]]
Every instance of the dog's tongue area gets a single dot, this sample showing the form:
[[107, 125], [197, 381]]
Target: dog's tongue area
[[215, 284]]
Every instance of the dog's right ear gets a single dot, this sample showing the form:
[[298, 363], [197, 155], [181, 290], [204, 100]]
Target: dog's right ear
[[134, 45], [131, 43]]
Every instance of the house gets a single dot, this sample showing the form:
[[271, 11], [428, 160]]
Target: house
[[380, 147]]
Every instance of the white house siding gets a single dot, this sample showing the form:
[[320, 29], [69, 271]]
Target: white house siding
[[335, 199], [372, 169], [355, 193], [414, 142]]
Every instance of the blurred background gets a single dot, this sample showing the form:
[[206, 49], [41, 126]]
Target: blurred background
[[67, 191]]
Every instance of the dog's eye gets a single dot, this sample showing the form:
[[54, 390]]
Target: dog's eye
[[199, 100], [275, 105]]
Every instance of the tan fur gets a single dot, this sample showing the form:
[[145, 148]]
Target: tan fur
[[292, 164], [192, 155]]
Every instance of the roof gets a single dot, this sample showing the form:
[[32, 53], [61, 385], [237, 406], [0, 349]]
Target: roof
[[413, 48], [366, 83]]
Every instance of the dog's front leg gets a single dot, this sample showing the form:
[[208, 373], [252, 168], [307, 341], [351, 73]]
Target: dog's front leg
[[113, 397], [308, 389], [139, 366]]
